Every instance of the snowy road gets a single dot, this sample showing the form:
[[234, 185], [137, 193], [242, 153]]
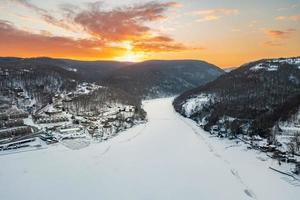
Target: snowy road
[[169, 158]]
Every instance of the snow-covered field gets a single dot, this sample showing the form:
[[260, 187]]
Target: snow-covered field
[[168, 158]]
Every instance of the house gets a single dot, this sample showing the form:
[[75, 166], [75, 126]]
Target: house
[[52, 111], [11, 123], [17, 144], [68, 130], [18, 89], [18, 115], [21, 95], [15, 132], [3, 116], [4, 106], [48, 120]]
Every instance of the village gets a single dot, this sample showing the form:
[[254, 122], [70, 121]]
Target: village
[[283, 146], [26, 126]]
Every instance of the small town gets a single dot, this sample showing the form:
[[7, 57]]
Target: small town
[[25, 127]]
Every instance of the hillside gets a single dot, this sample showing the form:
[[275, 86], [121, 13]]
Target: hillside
[[91, 71], [149, 79], [157, 78], [36, 96], [39, 82], [251, 99], [39, 94]]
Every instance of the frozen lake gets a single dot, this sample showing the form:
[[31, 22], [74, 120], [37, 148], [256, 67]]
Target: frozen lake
[[168, 158]]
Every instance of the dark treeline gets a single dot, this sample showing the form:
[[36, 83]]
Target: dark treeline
[[40, 82], [157, 78], [259, 97]]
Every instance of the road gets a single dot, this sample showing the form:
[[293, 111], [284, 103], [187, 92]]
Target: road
[[168, 158]]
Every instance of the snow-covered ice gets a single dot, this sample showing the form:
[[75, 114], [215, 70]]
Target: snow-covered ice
[[167, 158]]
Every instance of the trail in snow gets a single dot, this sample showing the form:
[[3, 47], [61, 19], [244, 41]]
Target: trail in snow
[[168, 158], [233, 171]]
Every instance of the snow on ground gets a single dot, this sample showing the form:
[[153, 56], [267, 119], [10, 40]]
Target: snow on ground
[[167, 158], [265, 66], [292, 61], [196, 104], [272, 65]]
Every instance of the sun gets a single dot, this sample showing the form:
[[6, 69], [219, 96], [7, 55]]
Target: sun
[[131, 57]]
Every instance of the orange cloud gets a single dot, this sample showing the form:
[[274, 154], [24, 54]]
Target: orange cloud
[[273, 43], [294, 18], [25, 44], [157, 47], [215, 14], [175, 4], [111, 26], [126, 23], [279, 34], [110, 32]]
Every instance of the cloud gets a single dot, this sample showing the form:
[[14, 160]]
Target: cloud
[[108, 30], [29, 5], [215, 14], [294, 18], [253, 23], [277, 37], [236, 30], [117, 24], [45, 15], [293, 6], [273, 43], [25, 44], [279, 34], [126, 23], [175, 5], [157, 45]]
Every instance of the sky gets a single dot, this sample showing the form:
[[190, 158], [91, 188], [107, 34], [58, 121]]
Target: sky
[[227, 33]]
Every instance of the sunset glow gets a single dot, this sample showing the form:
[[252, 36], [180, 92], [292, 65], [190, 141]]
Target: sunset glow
[[226, 33], [131, 57]]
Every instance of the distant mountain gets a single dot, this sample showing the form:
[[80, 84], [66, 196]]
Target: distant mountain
[[252, 98], [91, 71], [149, 79], [42, 78], [158, 78], [9, 59]]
